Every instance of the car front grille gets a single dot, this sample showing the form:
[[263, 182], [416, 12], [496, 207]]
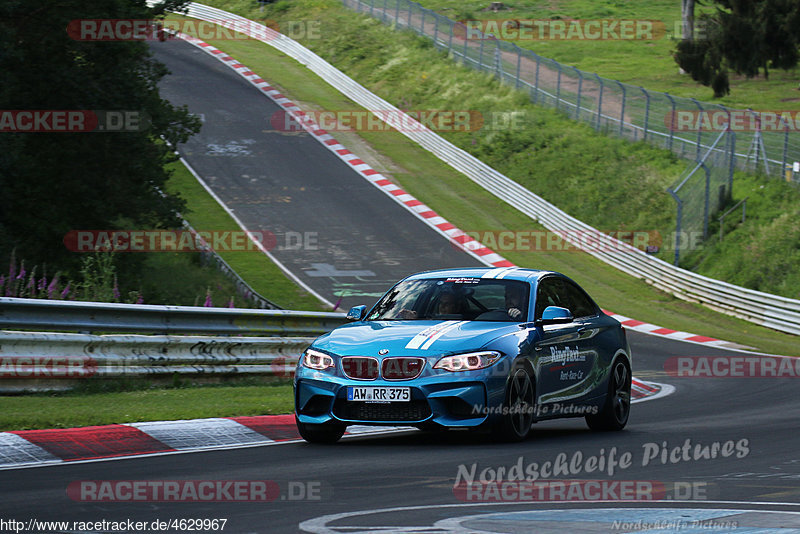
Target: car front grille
[[360, 367], [402, 368], [415, 410]]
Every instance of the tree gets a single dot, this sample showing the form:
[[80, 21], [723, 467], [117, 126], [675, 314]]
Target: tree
[[52, 183], [745, 36]]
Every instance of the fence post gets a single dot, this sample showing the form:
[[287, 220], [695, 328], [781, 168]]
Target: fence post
[[519, 61], [699, 140], [450, 39], [677, 226], [785, 148], [371, 8], [672, 125], [647, 111], [410, 7], [599, 101], [498, 61], [580, 90], [536, 80], [705, 205], [397, 12], [558, 86], [622, 111], [422, 23], [466, 43], [435, 29], [480, 53], [383, 12]]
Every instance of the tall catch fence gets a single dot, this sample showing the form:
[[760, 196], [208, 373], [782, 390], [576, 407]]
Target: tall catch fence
[[685, 126], [702, 190]]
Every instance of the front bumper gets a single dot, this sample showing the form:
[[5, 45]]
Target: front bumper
[[449, 403]]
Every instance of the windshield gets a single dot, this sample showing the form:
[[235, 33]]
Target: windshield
[[470, 299]]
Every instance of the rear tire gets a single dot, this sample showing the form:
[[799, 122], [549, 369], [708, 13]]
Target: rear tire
[[614, 414], [518, 407], [325, 433]]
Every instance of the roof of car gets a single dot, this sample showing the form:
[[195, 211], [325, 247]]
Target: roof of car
[[504, 273]]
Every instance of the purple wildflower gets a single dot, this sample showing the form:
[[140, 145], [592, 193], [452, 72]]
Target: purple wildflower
[[208, 302], [42, 283], [140, 299], [115, 289], [230, 303], [52, 287], [65, 292]]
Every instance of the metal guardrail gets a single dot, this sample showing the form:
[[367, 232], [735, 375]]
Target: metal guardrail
[[36, 361], [73, 316], [772, 311]]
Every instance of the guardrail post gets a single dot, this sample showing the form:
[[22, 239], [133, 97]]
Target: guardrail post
[[599, 101], [580, 90], [672, 122], [646, 110], [622, 111]]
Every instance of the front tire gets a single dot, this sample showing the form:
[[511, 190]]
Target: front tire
[[518, 407], [325, 433], [614, 414]]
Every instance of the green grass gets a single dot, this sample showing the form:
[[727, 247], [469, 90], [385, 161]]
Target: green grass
[[265, 277], [75, 409], [646, 63]]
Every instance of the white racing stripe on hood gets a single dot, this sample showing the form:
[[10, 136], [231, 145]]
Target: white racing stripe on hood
[[425, 338]]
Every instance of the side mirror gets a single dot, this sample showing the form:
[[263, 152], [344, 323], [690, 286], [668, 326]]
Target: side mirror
[[356, 313], [555, 315]]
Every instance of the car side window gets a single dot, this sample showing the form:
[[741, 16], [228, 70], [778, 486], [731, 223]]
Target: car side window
[[578, 302], [547, 294]]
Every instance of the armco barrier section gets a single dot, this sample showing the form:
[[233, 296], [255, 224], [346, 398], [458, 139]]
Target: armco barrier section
[[772, 311], [72, 316], [36, 361]]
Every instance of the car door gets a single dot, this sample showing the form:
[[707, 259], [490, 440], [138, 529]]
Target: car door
[[565, 352]]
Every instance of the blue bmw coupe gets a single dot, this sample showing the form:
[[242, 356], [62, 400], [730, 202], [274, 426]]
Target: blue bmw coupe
[[497, 349]]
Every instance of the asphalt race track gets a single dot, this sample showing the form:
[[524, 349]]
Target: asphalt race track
[[338, 233], [416, 469]]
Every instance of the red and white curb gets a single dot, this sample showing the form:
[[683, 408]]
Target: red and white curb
[[655, 330], [32, 448]]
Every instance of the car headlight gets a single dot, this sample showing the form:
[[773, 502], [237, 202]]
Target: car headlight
[[468, 362], [314, 359]]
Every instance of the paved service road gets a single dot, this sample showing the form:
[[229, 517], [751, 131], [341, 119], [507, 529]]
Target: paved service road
[[337, 232]]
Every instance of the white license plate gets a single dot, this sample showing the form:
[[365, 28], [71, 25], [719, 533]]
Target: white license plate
[[378, 394]]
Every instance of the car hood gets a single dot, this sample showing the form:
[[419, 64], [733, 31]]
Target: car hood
[[412, 337]]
